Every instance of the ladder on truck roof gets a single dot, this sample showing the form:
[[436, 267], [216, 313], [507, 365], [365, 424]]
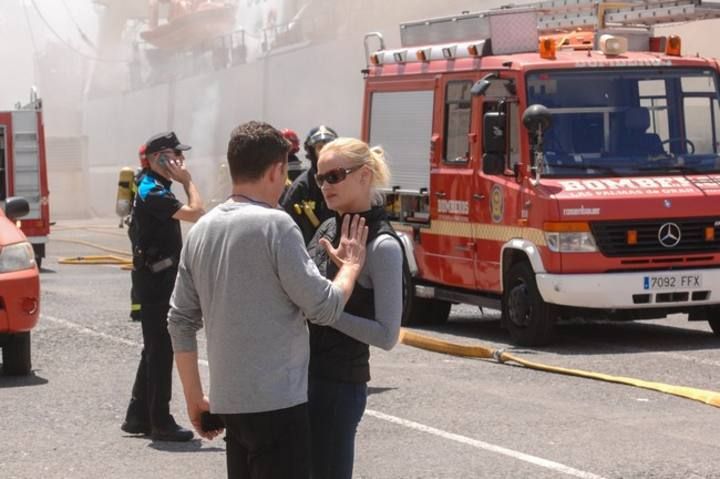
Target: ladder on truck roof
[[516, 28], [565, 14]]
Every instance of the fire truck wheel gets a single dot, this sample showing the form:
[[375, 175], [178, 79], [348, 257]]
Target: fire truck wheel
[[711, 315], [529, 320], [16, 355], [425, 311], [715, 325]]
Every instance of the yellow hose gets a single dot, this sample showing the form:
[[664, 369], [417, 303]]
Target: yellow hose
[[422, 341], [102, 259], [122, 258]]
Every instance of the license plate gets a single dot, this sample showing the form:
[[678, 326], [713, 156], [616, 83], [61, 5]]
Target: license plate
[[672, 281]]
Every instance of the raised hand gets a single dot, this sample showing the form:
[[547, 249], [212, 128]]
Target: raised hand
[[352, 247], [176, 169]]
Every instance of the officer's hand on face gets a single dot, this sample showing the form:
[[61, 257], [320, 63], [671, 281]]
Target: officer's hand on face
[[176, 169], [353, 240]]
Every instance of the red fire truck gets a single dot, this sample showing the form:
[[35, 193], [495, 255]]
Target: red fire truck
[[553, 160], [23, 170]]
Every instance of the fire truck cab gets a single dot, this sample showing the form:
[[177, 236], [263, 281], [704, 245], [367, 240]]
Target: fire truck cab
[[23, 170], [552, 161]]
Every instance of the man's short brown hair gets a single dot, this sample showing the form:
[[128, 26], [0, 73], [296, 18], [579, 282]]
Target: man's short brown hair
[[253, 148]]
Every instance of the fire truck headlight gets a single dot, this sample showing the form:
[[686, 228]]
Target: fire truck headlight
[[16, 257], [571, 242]]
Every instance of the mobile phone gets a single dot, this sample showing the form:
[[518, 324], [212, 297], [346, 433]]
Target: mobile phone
[[211, 422], [163, 159]]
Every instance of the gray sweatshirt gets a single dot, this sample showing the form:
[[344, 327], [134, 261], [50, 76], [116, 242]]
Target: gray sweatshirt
[[245, 274]]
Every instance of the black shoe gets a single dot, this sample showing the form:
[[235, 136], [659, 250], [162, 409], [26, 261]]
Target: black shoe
[[173, 433], [136, 427]]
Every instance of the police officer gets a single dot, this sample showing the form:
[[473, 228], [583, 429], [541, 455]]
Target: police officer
[[304, 201], [156, 242]]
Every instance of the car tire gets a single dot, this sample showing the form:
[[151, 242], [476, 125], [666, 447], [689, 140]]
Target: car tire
[[529, 320], [16, 355]]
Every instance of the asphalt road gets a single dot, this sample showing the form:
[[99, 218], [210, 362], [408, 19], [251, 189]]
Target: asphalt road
[[429, 415]]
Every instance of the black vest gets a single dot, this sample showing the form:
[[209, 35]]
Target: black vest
[[335, 355]]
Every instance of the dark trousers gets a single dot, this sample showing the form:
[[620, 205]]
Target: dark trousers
[[335, 411], [151, 393], [268, 445]]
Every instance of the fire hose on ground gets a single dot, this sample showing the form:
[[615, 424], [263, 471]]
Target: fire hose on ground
[[119, 257], [421, 341]]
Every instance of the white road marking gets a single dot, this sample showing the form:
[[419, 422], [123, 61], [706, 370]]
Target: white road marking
[[91, 332], [521, 456], [538, 461]]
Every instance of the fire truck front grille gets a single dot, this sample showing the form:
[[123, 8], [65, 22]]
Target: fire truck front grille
[[657, 237]]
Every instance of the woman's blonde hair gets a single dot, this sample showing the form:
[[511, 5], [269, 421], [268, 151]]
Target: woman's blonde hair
[[358, 152]]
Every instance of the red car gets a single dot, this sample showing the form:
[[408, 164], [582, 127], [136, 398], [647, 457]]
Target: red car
[[19, 290]]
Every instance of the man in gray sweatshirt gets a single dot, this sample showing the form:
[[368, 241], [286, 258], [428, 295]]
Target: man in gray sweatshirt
[[245, 276]]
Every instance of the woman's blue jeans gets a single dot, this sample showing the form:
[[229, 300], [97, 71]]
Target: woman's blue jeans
[[335, 412]]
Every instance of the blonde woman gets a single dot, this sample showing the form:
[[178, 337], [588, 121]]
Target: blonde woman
[[348, 173]]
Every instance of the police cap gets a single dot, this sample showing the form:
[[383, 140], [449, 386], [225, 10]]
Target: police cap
[[164, 141]]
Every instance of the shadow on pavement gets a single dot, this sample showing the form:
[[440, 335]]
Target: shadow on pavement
[[196, 445], [584, 337], [373, 390], [21, 381]]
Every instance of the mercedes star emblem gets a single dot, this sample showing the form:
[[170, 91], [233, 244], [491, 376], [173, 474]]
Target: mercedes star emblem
[[669, 235]]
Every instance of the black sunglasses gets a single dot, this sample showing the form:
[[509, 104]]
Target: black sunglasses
[[335, 176]]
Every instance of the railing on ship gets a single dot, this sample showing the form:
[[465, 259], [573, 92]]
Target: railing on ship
[[150, 66]]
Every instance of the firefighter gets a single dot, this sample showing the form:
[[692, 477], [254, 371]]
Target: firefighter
[[134, 303], [294, 165], [304, 201], [156, 243]]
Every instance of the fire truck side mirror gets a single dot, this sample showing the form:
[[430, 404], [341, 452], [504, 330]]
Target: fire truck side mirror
[[494, 142], [16, 207], [537, 118], [494, 127]]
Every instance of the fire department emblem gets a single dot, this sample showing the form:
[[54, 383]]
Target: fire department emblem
[[497, 204]]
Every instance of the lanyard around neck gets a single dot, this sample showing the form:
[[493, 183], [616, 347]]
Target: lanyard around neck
[[249, 200]]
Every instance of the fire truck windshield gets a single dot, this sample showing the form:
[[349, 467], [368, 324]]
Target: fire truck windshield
[[629, 121]]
